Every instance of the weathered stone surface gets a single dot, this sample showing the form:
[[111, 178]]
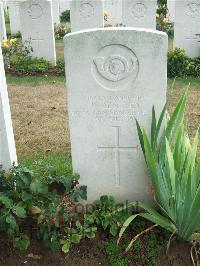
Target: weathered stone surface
[[37, 27], [13, 8], [64, 5], [114, 9], [7, 143], [187, 26], [113, 78], [139, 14], [56, 11], [86, 14], [171, 10], [2, 23]]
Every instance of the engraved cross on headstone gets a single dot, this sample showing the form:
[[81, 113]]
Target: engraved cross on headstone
[[37, 42], [117, 149]]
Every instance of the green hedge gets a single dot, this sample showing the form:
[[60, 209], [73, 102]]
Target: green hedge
[[180, 65]]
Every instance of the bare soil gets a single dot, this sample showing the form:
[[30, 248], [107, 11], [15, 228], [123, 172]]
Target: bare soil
[[39, 116], [87, 253]]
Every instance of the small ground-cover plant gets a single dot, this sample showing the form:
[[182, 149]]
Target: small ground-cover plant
[[105, 215], [46, 200], [25, 194], [174, 169]]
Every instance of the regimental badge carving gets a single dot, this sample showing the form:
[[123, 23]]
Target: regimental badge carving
[[139, 10], [193, 10], [35, 11], [86, 10], [115, 66]]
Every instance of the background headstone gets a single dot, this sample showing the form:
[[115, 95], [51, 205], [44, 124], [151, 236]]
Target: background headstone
[[114, 9], [37, 27], [139, 14], [114, 75], [187, 25], [86, 14], [7, 143], [64, 5], [2, 23], [56, 11], [171, 10], [13, 9]]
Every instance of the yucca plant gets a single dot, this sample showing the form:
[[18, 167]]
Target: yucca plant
[[174, 169]]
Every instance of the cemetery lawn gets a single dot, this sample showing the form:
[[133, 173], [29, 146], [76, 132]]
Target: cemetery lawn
[[42, 124]]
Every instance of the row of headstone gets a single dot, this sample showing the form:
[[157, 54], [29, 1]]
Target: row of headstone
[[37, 27], [7, 144], [120, 74], [187, 26], [90, 14], [13, 9], [2, 23], [103, 106]]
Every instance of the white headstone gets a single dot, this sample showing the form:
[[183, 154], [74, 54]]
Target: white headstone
[[13, 9], [64, 5], [114, 9], [171, 10], [7, 143], [86, 14], [187, 26], [139, 13], [56, 11], [114, 75], [2, 23], [37, 27]]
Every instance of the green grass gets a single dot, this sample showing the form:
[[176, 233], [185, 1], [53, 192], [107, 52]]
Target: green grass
[[37, 162], [184, 82], [34, 80], [59, 50], [145, 251]]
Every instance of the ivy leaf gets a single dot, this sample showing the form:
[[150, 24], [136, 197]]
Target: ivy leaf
[[7, 202], [19, 211], [66, 247], [76, 238], [114, 229], [37, 187], [26, 196], [21, 242], [10, 219]]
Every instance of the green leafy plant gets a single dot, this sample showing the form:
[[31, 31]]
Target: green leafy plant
[[30, 66], [174, 169], [106, 216], [14, 50], [180, 65], [46, 200], [73, 235], [65, 16]]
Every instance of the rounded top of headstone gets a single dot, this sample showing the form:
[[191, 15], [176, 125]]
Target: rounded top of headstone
[[116, 29]]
